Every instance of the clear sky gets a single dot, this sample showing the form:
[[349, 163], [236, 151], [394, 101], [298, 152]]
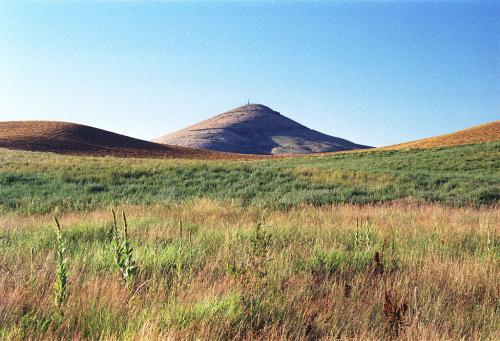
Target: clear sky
[[375, 72]]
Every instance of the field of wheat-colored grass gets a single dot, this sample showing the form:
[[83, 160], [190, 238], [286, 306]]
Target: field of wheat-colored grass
[[408, 270], [488, 132]]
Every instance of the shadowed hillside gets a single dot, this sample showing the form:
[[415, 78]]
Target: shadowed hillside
[[482, 133], [71, 138], [256, 129]]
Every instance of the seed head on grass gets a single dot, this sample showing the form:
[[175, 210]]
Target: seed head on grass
[[394, 314], [378, 265], [113, 230]]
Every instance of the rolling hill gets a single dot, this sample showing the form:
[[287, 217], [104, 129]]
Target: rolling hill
[[256, 129], [482, 133], [77, 139], [251, 129]]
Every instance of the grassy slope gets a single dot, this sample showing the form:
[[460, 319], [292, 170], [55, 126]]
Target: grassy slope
[[37, 182], [316, 278], [482, 133]]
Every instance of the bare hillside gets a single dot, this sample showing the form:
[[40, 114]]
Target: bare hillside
[[71, 138], [256, 129]]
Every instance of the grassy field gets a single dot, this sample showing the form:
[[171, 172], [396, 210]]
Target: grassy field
[[310, 272], [38, 182], [373, 245]]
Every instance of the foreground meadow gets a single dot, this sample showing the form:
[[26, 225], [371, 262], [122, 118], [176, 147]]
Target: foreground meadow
[[416, 271], [373, 245]]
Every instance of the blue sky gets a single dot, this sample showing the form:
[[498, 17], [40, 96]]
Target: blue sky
[[375, 72]]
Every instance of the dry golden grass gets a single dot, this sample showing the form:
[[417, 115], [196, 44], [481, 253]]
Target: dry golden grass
[[446, 272], [344, 177], [488, 132]]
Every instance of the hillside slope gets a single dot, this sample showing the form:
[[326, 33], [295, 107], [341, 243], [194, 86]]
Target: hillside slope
[[460, 175], [482, 133], [256, 129], [71, 138]]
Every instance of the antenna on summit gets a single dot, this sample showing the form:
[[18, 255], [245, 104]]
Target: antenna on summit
[[248, 102]]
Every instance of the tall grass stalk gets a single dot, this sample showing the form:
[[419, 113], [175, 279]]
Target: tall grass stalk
[[123, 252], [61, 284]]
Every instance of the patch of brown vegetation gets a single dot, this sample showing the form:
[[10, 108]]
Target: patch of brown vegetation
[[77, 139], [488, 132]]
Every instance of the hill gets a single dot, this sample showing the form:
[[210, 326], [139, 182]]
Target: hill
[[482, 133], [77, 139], [256, 129]]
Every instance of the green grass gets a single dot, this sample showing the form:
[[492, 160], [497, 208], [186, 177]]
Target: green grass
[[310, 271], [38, 183], [441, 261]]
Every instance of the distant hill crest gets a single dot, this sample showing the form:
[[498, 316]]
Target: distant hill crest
[[256, 129], [78, 139], [488, 132]]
